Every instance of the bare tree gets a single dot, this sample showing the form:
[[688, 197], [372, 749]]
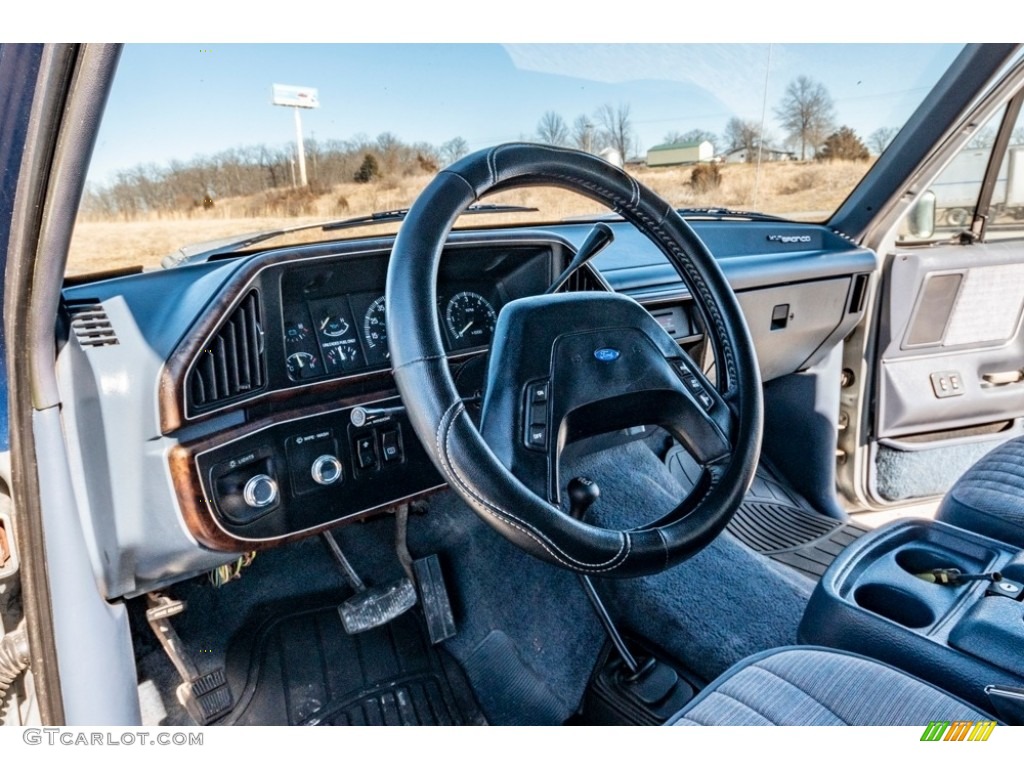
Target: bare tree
[[806, 113], [743, 135], [617, 128], [552, 129], [454, 149], [882, 138], [584, 134], [983, 139], [694, 136]]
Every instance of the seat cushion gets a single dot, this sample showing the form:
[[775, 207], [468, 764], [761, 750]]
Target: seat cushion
[[820, 686], [989, 498]]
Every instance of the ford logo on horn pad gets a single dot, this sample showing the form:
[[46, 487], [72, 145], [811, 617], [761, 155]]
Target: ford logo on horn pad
[[606, 354]]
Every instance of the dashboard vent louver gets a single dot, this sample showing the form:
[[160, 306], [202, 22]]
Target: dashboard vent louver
[[582, 280], [90, 323], [232, 363]]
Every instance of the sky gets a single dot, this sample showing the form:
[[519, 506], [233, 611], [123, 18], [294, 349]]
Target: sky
[[176, 101]]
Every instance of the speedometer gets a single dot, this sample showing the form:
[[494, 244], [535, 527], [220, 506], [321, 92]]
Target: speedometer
[[375, 332], [470, 319]]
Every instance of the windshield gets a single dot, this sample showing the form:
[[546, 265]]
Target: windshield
[[204, 142]]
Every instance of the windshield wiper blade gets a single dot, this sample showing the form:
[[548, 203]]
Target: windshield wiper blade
[[190, 254], [726, 213], [400, 213]]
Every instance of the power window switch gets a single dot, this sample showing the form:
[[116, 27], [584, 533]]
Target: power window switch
[[947, 383]]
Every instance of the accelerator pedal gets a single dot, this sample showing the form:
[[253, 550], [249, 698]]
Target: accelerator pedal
[[434, 598]]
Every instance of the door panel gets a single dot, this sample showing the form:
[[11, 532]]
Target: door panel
[[949, 381]]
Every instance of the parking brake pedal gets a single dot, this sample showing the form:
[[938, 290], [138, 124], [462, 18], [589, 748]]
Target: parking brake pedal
[[369, 607], [206, 697]]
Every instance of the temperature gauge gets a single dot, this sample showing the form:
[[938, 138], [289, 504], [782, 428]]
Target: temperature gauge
[[303, 365]]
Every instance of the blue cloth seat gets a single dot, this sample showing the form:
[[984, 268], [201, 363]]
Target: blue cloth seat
[[820, 686], [989, 498]]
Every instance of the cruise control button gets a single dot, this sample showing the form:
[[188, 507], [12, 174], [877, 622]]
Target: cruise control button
[[539, 393], [537, 436]]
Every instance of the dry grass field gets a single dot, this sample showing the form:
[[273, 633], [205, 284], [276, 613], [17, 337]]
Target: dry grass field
[[804, 191]]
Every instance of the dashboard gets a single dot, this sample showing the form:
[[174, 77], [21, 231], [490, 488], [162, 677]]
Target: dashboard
[[234, 404], [325, 324]]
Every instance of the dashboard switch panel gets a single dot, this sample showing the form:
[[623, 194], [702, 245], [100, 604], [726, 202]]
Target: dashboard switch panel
[[322, 468]]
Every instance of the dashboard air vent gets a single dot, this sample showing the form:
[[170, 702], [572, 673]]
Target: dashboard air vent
[[90, 323], [582, 280], [231, 365]]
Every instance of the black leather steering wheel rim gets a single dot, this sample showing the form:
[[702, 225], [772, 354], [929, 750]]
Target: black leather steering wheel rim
[[438, 414]]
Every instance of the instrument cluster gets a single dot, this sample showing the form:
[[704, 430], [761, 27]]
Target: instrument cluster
[[334, 317]]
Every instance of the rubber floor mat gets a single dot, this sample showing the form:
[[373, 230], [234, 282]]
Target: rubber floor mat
[[805, 541], [301, 668], [777, 522]]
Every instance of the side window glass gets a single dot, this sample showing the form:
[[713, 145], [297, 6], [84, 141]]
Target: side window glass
[[957, 189], [1006, 212]]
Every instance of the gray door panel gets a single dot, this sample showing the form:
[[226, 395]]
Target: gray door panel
[[952, 339], [951, 348]]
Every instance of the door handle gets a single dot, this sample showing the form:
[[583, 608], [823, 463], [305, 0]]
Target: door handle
[[999, 378]]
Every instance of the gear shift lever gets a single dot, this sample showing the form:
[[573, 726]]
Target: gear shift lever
[[583, 492]]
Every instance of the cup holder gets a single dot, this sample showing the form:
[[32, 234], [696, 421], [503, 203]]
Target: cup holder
[[915, 560], [895, 604]]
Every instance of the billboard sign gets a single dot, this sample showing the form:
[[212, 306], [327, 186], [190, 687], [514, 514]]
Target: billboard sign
[[296, 96]]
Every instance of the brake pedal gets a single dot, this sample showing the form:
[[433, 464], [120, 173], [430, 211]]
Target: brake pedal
[[369, 607]]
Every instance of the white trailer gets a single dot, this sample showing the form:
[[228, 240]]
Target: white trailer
[[957, 187]]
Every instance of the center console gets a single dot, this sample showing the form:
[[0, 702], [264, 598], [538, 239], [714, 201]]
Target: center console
[[961, 636]]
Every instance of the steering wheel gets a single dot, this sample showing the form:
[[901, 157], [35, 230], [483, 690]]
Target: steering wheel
[[569, 365]]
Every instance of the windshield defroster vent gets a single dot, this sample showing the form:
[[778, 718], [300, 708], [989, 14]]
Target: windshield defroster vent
[[232, 363], [90, 323], [582, 280]]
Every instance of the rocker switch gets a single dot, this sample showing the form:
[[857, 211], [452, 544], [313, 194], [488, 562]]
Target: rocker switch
[[390, 447], [366, 453]]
